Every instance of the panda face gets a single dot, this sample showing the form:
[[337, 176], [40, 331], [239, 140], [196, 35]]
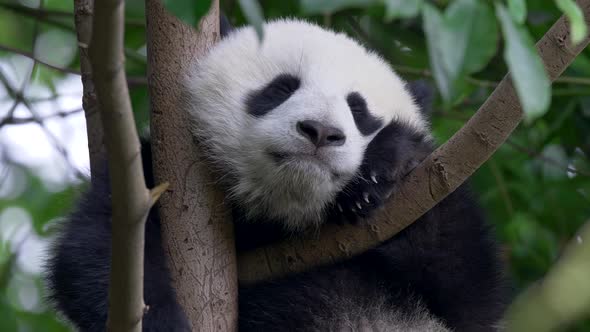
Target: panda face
[[287, 121]]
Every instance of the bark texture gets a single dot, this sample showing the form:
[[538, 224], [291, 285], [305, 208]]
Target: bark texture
[[196, 226], [83, 11], [436, 177]]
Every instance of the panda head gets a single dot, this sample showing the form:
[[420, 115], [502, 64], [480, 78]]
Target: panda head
[[286, 121]]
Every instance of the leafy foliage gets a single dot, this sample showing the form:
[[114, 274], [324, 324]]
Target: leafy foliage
[[536, 188], [576, 17], [526, 68], [188, 10], [460, 42], [253, 12]]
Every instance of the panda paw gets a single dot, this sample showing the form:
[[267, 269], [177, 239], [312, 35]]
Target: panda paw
[[392, 153], [365, 195]]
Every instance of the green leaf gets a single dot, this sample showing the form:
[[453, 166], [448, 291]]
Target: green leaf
[[437, 49], [56, 47], [330, 6], [402, 8], [475, 33], [526, 69], [189, 11], [574, 14], [253, 13], [517, 9], [201, 7], [460, 42]]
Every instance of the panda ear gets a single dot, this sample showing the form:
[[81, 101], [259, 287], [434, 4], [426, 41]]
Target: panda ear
[[225, 27], [423, 94]]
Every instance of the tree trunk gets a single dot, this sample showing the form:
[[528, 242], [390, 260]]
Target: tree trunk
[[196, 226]]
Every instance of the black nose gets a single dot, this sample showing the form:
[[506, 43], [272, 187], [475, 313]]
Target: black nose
[[319, 134]]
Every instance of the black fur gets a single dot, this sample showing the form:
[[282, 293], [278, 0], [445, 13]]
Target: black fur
[[446, 259], [366, 123], [423, 94], [78, 270], [225, 27], [272, 95], [395, 145]]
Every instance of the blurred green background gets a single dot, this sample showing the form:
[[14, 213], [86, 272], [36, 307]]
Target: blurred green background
[[536, 187]]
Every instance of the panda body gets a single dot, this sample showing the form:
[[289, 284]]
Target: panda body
[[305, 128]]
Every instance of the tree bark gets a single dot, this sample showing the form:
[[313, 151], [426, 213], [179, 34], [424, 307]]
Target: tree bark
[[436, 177], [131, 200], [196, 227], [83, 19]]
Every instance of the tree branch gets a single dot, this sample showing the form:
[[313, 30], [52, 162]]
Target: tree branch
[[196, 228], [131, 200], [531, 153], [96, 148], [46, 14], [437, 176], [562, 297], [12, 120], [133, 81], [31, 56], [547, 160]]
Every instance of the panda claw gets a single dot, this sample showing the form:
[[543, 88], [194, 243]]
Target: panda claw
[[340, 208], [359, 205], [366, 197], [374, 177]]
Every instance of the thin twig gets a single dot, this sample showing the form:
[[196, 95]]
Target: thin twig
[[48, 13], [57, 145], [9, 89], [133, 81], [31, 56], [48, 17], [35, 12], [545, 159], [12, 120]]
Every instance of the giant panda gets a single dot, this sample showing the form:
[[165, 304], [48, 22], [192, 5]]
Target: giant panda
[[304, 128]]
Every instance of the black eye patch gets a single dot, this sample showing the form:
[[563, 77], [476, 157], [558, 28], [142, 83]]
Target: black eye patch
[[272, 95], [365, 122]]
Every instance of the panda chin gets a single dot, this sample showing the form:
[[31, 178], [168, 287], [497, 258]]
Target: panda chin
[[308, 163], [294, 188]]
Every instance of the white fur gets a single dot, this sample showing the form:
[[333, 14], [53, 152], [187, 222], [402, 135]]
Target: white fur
[[380, 317], [330, 66]]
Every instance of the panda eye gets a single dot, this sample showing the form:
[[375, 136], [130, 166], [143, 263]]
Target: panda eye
[[365, 122], [356, 103], [272, 95]]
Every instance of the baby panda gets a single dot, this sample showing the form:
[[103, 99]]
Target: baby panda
[[304, 128]]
